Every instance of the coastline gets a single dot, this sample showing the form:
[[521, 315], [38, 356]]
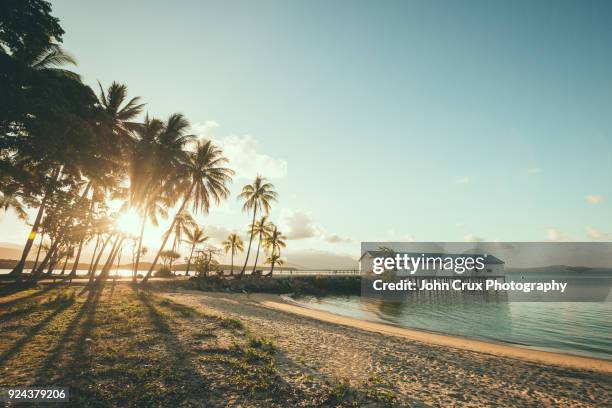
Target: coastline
[[418, 368], [440, 339]]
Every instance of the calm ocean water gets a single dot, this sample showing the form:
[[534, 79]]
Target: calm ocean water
[[581, 328]]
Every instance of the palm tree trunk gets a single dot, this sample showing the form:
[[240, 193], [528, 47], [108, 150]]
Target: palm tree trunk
[[172, 259], [38, 252], [142, 228], [111, 259], [59, 239], [18, 269], [119, 261], [75, 264], [271, 269], [257, 253], [232, 272], [92, 273], [93, 255], [64, 267], [167, 235], [250, 241], [189, 260]]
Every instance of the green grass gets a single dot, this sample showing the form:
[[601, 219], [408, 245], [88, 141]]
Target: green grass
[[122, 346]]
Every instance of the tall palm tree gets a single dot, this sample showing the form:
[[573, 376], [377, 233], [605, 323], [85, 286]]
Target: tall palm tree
[[159, 149], [195, 236], [256, 196], [274, 242], [202, 179], [233, 244], [262, 228]]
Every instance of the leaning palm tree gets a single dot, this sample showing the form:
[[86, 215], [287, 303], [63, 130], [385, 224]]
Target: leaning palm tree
[[202, 179], [233, 244], [257, 196], [159, 148], [195, 236], [262, 229]]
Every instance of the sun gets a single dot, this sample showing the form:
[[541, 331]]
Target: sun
[[129, 222]]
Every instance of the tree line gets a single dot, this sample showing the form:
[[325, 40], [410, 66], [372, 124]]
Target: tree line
[[67, 150]]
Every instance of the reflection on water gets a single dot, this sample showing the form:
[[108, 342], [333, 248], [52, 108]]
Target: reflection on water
[[577, 328]]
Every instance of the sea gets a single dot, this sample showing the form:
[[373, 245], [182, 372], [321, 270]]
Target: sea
[[579, 328]]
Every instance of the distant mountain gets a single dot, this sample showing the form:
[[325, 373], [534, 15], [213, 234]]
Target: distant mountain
[[294, 259]]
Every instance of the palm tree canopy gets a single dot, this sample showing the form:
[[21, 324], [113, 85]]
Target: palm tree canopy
[[262, 227], [11, 200], [275, 241], [233, 243], [206, 172], [196, 235], [52, 58], [259, 194], [274, 258], [184, 221]]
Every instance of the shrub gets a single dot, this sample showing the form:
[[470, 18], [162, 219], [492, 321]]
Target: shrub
[[163, 272]]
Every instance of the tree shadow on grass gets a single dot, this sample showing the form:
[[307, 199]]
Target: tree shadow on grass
[[21, 287], [32, 331], [46, 371], [184, 380]]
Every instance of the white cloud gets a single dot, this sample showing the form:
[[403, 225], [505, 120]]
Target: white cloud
[[463, 180], [204, 130], [595, 199], [597, 235], [534, 170], [555, 234], [247, 162], [243, 153], [216, 232], [473, 238], [300, 224]]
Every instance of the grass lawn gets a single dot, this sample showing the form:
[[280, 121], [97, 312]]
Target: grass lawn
[[122, 346]]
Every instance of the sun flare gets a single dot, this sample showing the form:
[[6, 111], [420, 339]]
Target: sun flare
[[129, 222]]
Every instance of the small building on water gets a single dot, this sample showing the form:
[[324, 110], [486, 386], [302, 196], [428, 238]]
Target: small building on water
[[435, 264]]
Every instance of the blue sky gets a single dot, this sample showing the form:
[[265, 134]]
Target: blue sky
[[438, 121]]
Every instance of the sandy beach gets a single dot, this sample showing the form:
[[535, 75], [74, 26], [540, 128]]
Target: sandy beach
[[420, 368]]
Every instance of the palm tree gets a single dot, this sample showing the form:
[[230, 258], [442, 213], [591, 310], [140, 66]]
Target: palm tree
[[274, 242], [118, 124], [159, 150], [233, 244], [184, 221], [262, 228], [195, 236], [203, 179], [273, 259], [256, 196]]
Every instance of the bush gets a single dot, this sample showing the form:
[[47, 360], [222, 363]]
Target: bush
[[163, 272]]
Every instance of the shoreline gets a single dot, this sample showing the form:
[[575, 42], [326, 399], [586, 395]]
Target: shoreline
[[279, 303]]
